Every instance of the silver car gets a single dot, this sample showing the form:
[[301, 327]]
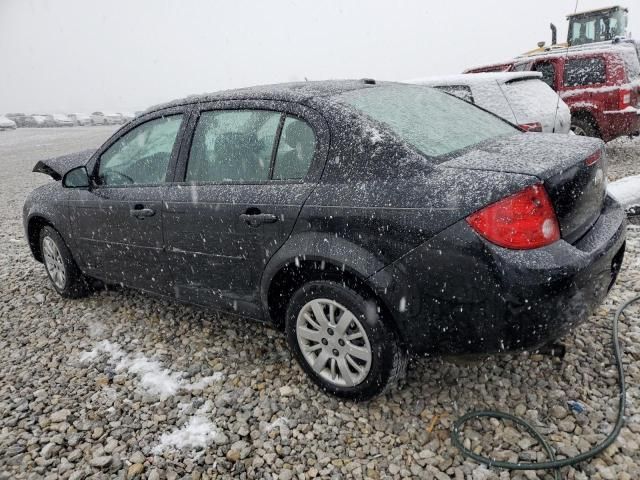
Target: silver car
[[7, 124], [62, 120], [80, 118], [98, 118]]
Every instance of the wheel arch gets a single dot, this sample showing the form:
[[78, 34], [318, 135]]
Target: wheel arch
[[588, 116], [317, 257], [35, 225]]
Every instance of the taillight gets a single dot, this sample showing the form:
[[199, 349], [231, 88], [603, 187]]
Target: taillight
[[521, 221], [531, 127], [593, 158], [624, 99]]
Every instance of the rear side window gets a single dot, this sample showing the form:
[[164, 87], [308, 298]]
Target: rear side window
[[460, 91], [584, 71], [433, 122], [232, 146], [531, 100], [295, 150]]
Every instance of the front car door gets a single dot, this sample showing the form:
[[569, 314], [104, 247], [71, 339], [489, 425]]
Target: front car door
[[240, 184], [117, 223]]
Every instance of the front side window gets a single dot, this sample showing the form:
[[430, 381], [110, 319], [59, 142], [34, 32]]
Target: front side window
[[584, 71], [232, 146], [548, 71], [295, 150], [142, 155], [432, 121]]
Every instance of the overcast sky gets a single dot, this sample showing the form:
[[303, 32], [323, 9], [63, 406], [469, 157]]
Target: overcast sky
[[124, 55]]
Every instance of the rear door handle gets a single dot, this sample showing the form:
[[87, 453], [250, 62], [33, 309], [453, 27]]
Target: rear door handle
[[257, 219], [140, 212]]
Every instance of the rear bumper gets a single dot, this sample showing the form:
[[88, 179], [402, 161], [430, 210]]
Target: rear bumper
[[459, 294]]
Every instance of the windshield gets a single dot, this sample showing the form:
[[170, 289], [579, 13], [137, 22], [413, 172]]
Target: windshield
[[432, 121]]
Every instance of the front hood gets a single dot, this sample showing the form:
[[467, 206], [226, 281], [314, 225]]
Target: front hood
[[539, 154], [56, 167]]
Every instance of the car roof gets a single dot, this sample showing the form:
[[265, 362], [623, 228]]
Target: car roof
[[476, 78], [290, 92]]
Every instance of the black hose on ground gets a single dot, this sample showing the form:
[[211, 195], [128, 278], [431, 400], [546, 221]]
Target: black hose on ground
[[552, 464]]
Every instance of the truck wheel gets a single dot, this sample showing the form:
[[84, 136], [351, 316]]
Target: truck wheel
[[584, 127]]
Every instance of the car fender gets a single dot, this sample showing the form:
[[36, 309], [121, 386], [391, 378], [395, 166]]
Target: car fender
[[319, 246], [49, 203]]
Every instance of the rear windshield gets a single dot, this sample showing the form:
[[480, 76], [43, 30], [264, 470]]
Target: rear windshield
[[432, 121], [530, 99]]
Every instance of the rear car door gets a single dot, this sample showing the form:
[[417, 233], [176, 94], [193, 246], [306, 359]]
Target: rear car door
[[117, 223], [244, 174]]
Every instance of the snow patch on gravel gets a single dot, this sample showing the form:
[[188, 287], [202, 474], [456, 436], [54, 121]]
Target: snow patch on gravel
[[197, 433], [153, 377]]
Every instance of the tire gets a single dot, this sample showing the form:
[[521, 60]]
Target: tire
[[336, 351], [584, 127], [64, 274]]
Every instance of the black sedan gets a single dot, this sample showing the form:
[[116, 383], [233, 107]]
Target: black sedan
[[371, 221]]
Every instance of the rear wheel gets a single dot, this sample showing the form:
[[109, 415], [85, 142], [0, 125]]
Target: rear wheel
[[340, 340], [584, 127], [62, 270]]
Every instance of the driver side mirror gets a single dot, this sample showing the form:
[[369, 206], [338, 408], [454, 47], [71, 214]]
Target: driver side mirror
[[76, 178]]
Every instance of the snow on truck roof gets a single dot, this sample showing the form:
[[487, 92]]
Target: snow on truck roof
[[621, 46], [476, 78]]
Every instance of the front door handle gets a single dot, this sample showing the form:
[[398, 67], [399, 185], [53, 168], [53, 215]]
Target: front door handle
[[140, 212], [257, 219]]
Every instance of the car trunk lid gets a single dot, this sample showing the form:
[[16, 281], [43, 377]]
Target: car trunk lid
[[573, 170]]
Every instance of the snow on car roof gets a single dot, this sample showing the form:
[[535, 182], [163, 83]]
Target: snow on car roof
[[475, 78], [296, 92]]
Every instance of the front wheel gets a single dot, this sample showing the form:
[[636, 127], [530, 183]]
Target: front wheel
[[340, 340], [62, 270]]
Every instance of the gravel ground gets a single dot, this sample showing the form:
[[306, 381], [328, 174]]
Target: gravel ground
[[119, 385]]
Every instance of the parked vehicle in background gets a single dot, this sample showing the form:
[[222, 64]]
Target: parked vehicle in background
[[599, 82], [39, 120], [114, 118], [62, 120], [18, 118], [486, 246], [126, 116], [80, 118], [98, 118], [521, 98], [7, 123]]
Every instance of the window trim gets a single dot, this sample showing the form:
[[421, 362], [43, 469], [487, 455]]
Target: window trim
[[93, 164], [230, 182], [556, 73], [312, 117]]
